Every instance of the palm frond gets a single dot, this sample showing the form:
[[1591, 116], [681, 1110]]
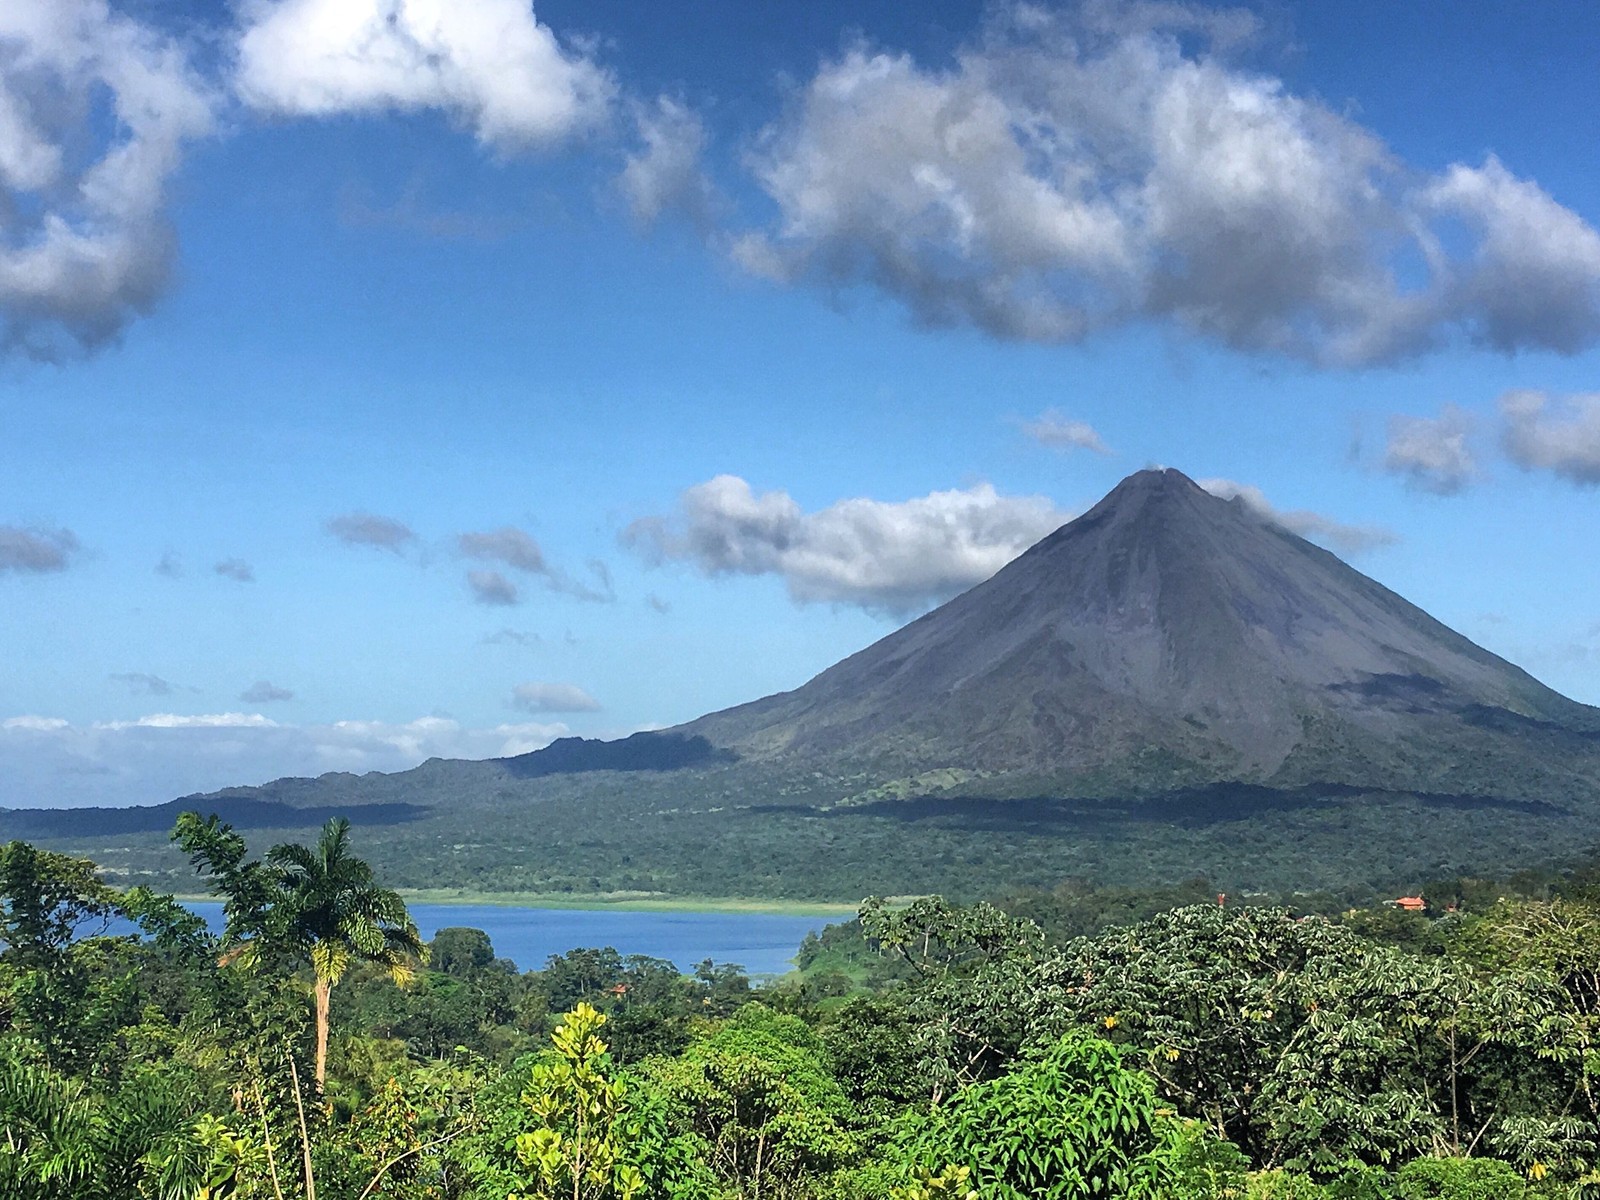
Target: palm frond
[[292, 855], [333, 841]]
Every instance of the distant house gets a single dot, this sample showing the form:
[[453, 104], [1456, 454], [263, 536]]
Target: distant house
[[1409, 903]]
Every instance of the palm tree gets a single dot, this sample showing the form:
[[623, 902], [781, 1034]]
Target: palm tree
[[338, 915]]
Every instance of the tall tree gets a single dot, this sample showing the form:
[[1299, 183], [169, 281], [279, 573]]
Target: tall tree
[[47, 900], [47, 978], [316, 903], [339, 915]]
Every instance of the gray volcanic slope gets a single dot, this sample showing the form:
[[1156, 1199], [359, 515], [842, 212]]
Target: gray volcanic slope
[[1171, 637], [1169, 684]]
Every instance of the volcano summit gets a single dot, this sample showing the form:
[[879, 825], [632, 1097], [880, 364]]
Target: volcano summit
[[1169, 685], [1168, 636]]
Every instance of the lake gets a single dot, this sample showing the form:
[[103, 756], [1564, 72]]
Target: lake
[[761, 943]]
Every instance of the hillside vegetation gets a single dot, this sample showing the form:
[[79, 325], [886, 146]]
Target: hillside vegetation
[[1168, 686], [1121, 1049]]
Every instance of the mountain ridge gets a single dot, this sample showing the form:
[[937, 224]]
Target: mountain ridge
[[1168, 684], [1163, 617]]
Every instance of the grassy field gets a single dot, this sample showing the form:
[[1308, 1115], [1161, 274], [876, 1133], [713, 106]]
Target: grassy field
[[610, 901], [627, 902]]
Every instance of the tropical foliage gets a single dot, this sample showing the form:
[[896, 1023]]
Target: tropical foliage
[[1120, 1047]]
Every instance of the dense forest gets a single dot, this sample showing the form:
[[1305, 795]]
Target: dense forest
[[1076, 1042], [646, 833]]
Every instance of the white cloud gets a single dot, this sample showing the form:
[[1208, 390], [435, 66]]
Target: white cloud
[[892, 557], [226, 720], [552, 698], [1434, 454], [1053, 429], [663, 175], [1561, 437], [84, 243], [1065, 176], [51, 762], [36, 551], [369, 529], [1531, 277], [35, 724], [489, 64], [1315, 526]]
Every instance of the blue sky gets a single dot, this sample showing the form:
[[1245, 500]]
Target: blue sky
[[588, 367]]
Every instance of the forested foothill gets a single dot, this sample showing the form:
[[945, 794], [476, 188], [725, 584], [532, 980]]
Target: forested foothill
[[1080, 1042]]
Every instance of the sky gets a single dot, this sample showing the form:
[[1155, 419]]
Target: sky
[[382, 379]]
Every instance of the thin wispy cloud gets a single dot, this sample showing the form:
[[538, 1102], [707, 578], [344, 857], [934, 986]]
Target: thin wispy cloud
[[264, 692], [371, 530], [510, 637], [517, 550], [552, 698], [1054, 429], [602, 577], [141, 683], [663, 175], [1315, 526]]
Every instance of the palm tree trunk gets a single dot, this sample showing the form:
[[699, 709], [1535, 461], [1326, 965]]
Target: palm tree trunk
[[324, 994], [305, 1138]]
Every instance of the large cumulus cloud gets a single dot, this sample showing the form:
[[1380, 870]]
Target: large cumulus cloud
[[95, 110], [1070, 174], [490, 64], [893, 557]]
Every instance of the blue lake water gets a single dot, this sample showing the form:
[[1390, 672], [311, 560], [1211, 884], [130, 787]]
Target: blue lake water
[[761, 943]]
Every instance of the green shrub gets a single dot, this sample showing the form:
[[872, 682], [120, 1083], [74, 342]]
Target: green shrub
[[1283, 1185], [1431, 1179], [757, 1098], [1075, 1122], [1459, 1179]]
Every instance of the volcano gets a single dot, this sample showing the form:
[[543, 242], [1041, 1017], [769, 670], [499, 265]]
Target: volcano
[[1171, 637], [1170, 685]]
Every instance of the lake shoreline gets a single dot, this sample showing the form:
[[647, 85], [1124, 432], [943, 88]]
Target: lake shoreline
[[762, 944], [611, 902]]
